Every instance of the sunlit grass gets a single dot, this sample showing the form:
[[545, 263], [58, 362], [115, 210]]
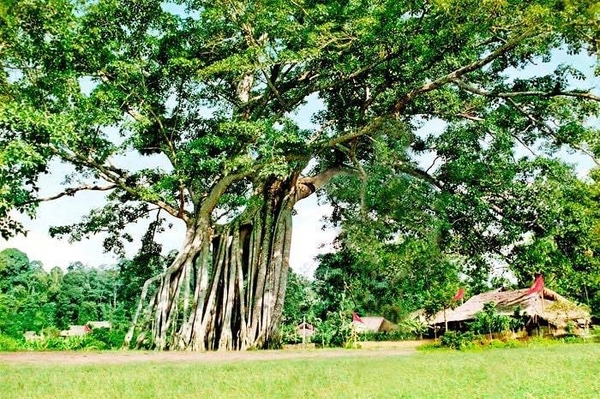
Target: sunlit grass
[[558, 371]]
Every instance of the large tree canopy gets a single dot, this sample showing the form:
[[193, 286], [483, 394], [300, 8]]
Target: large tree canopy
[[213, 86]]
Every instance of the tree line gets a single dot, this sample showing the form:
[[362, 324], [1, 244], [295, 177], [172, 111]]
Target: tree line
[[33, 299]]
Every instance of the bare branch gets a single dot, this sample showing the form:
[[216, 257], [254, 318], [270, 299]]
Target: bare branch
[[532, 93], [118, 178], [305, 186], [71, 191]]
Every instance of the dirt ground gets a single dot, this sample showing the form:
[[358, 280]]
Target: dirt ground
[[369, 349]]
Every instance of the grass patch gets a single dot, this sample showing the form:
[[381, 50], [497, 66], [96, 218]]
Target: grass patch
[[557, 371]]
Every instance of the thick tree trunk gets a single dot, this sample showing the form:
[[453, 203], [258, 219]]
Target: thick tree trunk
[[225, 289]]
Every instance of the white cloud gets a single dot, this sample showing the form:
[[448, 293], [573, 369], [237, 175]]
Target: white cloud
[[53, 252], [308, 239]]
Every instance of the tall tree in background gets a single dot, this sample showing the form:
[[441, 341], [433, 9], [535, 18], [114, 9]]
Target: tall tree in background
[[210, 89]]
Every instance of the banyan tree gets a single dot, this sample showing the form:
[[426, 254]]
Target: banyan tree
[[248, 107]]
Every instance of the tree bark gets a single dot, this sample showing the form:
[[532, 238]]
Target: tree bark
[[226, 287]]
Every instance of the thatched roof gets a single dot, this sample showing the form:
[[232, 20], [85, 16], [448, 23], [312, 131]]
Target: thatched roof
[[99, 324], [555, 308], [75, 331], [374, 324]]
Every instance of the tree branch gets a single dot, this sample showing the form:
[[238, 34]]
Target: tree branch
[[482, 92], [550, 131], [305, 186], [71, 191], [119, 179], [509, 45]]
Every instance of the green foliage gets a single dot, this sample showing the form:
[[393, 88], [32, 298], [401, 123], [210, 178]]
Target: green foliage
[[9, 344], [48, 302], [300, 300], [416, 327], [111, 338], [457, 340], [389, 280], [289, 334], [75, 343], [488, 321], [595, 332], [335, 331]]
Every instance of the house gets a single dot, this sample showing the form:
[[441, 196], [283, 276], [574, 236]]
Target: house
[[546, 310], [76, 331], [305, 330], [31, 336], [374, 324]]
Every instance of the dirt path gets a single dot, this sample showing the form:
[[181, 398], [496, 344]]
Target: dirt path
[[120, 357]]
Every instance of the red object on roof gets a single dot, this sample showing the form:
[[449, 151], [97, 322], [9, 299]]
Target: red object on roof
[[537, 286], [460, 294], [356, 318]]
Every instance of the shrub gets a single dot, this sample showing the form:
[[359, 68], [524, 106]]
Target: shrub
[[85, 342], [596, 333], [51, 332], [111, 338], [9, 344], [457, 340], [488, 321], [335, 331], [289, 334], [416, 327], [570, 328]]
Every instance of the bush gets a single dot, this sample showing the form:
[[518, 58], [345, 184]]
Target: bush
[[9, 344], [457, 340], [111, 338], [336, 331], [596, 333], [488, 321], [289, 334], [85, 342]]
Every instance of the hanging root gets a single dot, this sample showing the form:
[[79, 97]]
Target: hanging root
[[224, 291]]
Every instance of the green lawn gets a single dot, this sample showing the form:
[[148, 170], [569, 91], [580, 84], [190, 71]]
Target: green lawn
[[558, 371]]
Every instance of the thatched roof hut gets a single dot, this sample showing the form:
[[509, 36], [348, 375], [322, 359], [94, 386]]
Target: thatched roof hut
[[75, 331], [374, 324], [550, 307]]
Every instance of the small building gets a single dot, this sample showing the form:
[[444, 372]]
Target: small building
[[305, 330], [374, 324], [546, 310], [31, 336], [75, 331]]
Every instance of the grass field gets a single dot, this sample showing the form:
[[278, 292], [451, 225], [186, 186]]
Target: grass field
[[557, 371]]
